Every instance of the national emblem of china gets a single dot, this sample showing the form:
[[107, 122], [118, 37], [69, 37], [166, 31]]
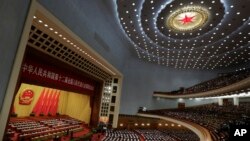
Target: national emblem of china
[[26, 97], [187, 18]]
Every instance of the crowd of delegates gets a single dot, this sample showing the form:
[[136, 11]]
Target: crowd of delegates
[[219, 82], [213, 117], [181, 134], [164, 134], [154, 135], [120, 135], [42, 128]]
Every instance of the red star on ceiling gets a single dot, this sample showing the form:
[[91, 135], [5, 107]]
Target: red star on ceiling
[[187, 19]]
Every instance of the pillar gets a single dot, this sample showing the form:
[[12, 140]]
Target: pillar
[[236, 101], [220, 101]]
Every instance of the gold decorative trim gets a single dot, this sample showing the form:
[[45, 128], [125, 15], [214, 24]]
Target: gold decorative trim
[[179, 20]]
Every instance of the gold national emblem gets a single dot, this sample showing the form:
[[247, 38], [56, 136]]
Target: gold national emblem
[[26, 97], [187, 19]]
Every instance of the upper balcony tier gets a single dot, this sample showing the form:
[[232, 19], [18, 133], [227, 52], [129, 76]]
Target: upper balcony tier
[[224, 84]]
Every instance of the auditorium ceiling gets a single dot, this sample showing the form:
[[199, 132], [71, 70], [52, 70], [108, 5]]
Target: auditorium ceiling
[[188, 34]]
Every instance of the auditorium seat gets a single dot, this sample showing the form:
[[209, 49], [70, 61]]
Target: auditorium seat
[[43, 128], [212, 116]]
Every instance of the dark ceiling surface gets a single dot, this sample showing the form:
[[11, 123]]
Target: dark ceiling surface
[[188, 34]]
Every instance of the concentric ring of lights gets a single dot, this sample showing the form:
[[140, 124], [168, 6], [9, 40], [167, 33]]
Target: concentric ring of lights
[[208, 47], [187, 18]]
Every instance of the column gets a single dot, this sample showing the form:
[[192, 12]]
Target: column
[[181, 103], [12, 47], [236, 101], [220, 101]]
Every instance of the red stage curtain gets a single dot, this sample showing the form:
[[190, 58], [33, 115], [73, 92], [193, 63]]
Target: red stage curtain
[[50, 103], [44, 102], [57, 101], [54, 105], [39, 103], [47, 102]]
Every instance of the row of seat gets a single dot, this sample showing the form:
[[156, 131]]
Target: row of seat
[[219, 82], [181, 134], [120, 135], [154, 135], [170, 134], [46, 127], [212, 116]]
